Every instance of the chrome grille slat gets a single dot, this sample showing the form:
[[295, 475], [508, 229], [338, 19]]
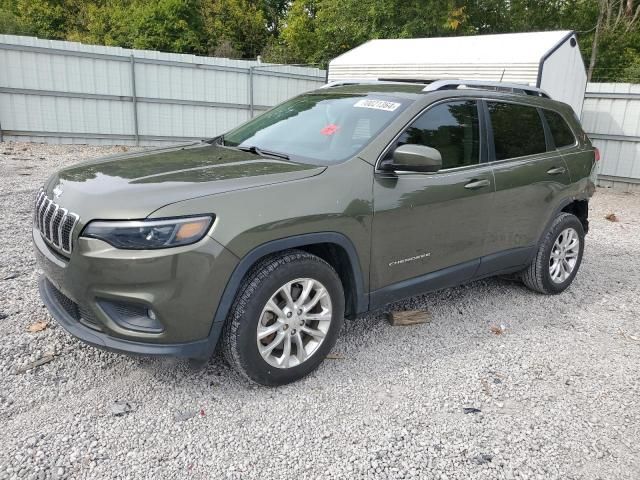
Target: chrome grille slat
[[67, 231], [43, 205], [63, 214], [54, 210], [44, 214], [56, 224], [39, 200]]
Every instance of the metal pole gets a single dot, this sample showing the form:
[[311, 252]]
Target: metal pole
[[251, 91], [134, 99], [1, 137]]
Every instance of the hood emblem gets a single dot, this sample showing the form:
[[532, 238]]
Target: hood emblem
[[57, 191]]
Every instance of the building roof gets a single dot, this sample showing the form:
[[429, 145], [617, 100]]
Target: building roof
[[507, 48]]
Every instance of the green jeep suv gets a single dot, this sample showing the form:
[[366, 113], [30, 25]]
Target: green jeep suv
[[329, 205]]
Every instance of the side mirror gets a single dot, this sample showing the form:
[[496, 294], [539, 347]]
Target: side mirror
[[416, 158]]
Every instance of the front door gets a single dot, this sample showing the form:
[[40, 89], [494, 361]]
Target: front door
[[432, 223]]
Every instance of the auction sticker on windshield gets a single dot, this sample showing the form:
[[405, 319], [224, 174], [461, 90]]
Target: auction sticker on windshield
[[377, 104]]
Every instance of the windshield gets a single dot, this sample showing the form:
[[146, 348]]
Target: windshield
[[322, 128]]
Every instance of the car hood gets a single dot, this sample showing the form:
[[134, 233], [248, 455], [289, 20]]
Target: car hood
[[134, 185]]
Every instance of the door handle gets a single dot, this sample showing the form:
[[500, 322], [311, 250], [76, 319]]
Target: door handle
[[475, 184], [556, 171]]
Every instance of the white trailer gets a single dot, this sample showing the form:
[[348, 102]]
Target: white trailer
[[547, 60]]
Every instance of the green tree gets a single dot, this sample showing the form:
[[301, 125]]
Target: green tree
[[10, 23], [318, 30], [381, 19], [616, 39], [9, 20], [169, 25], [618, 57], [298, 41], [274, 12], [239, 24], [631, 73], [502, 16], [166, 25], [108, 24], [43, 18]]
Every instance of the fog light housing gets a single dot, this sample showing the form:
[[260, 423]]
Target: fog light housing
[[131, 316]]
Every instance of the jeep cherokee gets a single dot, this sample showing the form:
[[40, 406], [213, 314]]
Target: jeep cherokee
[[331, 204]]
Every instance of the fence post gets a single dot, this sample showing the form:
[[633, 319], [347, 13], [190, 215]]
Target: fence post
[[134, 99], [1, 137], [251, 91]]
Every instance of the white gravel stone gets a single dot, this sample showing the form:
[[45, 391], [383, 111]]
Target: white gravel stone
[[558, 390]]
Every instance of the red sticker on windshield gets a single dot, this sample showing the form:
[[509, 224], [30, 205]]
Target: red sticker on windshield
[[330, 129]]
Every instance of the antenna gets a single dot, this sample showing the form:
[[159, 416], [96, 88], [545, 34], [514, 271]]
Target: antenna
[[502, 76]]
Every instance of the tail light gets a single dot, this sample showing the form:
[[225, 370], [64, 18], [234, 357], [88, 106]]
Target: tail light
[[596, 152]]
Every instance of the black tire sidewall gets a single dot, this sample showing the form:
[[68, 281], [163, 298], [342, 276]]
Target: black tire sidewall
[[246, 335], [567, 221]]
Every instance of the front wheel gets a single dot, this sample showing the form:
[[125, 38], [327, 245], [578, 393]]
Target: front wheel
[[558, 258], [285, 319]]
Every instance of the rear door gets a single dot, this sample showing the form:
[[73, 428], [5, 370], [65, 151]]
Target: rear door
[[578, 155], [531, 177], [426, 222]]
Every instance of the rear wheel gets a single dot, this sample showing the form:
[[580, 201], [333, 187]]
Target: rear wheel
[[558, 258], [285, 319]]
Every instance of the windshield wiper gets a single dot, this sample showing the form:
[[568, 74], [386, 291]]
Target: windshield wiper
[[219, 140], [267, 153]]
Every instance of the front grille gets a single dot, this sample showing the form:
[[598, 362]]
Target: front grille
[[79, 313], [56, 224], [87, 318], [65, 302]]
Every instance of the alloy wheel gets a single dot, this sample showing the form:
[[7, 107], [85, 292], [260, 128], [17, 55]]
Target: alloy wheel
[[564, 255], [294, 323]]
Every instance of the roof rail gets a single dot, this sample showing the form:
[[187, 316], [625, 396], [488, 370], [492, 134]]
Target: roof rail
[[517, 88], [406, 80], [435, 85], [338, 83], [373, 81]]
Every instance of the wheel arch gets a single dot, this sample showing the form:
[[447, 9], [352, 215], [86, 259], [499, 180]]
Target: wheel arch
[[579, 208], [333, 247], [575, 206]]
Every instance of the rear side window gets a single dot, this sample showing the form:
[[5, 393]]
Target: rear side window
[[560, 131], [452, 128], [517, 130]]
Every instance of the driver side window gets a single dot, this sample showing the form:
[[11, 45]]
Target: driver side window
[[452, 128]]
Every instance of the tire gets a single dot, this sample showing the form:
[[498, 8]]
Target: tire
[[540, 275], [261, 304]]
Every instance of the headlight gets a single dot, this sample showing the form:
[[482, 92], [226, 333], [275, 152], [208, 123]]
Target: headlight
[[149, 234]]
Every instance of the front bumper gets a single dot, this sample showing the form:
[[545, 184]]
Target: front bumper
[[182, 286], [51, 298]]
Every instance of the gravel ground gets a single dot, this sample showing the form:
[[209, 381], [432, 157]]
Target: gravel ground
[[557, 392]]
